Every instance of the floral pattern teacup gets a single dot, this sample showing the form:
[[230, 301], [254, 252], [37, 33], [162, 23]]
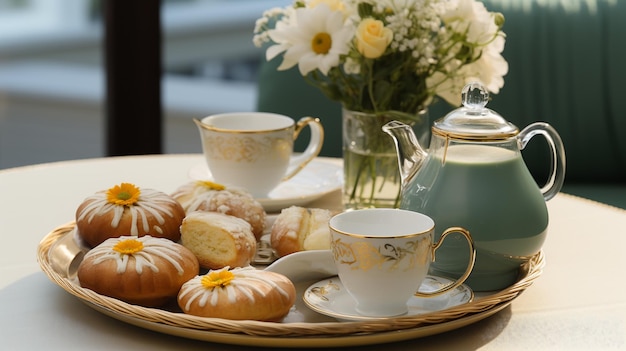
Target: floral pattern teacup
[[383, 255], [253, 150]]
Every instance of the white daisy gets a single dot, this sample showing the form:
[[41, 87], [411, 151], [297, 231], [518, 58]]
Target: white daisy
[[314, 40], [472, 19]]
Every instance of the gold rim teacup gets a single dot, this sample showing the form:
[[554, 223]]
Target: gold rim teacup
[[383, 256], [254, 150]]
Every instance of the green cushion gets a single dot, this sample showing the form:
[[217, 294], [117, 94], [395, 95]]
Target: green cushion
[[566, 68]]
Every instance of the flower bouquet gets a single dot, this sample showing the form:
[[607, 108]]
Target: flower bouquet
[[383, 60]]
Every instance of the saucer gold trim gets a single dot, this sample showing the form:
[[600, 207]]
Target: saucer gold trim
[[324, 297]]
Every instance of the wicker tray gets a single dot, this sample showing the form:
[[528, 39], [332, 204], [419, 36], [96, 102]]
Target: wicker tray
[[310, 332]]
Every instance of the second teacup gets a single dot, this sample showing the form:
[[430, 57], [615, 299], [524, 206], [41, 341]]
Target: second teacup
[[253, 150], [383, 255]]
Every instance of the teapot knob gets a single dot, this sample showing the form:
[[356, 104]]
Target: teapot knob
[[474, 96], [474, 121]]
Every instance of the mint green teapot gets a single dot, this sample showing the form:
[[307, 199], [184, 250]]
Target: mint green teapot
[[473, 176]]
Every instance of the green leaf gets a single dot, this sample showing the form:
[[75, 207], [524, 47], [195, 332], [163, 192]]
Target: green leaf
[[365, 10]]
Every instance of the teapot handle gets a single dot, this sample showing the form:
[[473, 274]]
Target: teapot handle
[[557, 164]]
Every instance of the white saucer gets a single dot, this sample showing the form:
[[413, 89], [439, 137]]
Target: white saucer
[[330, 298], [315, 180], [307, 265]]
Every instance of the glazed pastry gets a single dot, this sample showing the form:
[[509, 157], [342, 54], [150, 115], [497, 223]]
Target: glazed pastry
[[299, 229], [218, 239], [213, 197], [240, 293], [126, 209], [146, 271]]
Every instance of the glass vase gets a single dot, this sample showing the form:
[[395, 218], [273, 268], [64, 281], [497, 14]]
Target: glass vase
[[370, 172]]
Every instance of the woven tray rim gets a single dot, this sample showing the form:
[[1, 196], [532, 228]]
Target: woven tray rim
[[529, 272]]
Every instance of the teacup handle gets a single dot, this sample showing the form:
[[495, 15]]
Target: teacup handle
[[297, 163], [470, 265]]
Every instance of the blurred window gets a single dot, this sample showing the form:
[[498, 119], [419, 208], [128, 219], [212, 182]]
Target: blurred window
[[51, 65], [20, 17]]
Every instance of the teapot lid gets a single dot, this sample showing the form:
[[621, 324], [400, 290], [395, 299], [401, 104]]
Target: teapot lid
[[473, 121]]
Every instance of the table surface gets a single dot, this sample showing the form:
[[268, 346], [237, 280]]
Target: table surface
[[578, 303]]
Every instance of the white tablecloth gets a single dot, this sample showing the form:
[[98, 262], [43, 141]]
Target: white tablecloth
[[579, 302]]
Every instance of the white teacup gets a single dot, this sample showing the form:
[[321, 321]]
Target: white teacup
[[383, 255], [253, 150]]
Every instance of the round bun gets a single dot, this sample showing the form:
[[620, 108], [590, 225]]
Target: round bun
[[240, 293], [299, 229], [126, 210], [146, 271], [218, 240], [212, 197]]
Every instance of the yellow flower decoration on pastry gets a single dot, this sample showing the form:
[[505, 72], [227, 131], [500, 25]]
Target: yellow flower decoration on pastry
[[219, 278], [212, 185], [125, 194], [128, 247]]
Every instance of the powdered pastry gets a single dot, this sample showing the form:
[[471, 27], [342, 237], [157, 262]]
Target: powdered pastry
[[143, 270], [213, 197], [298, 229], [240, 293]]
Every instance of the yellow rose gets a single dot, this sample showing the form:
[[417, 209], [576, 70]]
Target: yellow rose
[[372, 38]]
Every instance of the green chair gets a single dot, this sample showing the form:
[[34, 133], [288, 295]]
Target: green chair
[[565, 68], [285, 92]]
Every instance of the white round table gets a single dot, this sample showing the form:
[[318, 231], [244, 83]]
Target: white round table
[[578, 303]]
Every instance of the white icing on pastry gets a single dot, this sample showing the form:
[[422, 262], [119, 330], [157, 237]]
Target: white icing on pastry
[[246, 281], [152, 247], [150, 201]]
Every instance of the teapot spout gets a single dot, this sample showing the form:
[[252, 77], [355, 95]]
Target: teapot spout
[[410, 154]]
